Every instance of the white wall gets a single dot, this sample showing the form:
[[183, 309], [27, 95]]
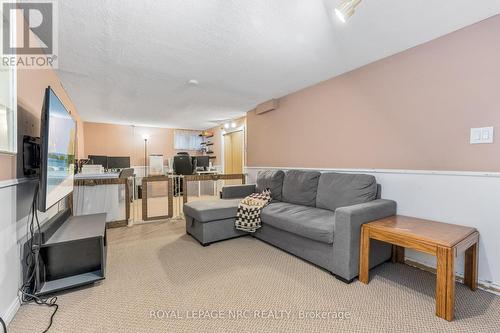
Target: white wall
[[10, 268], [465, 198], [15, 200]]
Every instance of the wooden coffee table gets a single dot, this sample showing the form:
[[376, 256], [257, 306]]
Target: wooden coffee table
[[445, 241]]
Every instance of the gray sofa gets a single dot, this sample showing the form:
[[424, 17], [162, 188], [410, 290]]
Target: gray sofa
[[315, 216]]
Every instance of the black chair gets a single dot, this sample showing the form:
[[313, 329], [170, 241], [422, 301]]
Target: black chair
[[194, 163], [183, 165], [126, 173]]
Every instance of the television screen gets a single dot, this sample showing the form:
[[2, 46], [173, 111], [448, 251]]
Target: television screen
[[58, 136], [202, 161], [119, 162], [99, 160]]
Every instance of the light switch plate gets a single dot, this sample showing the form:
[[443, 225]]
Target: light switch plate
[[481, 135]]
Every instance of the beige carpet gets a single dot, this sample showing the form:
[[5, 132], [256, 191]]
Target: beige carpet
[[156, 267]]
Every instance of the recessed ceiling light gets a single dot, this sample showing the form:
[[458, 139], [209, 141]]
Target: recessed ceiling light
[[233, 125], [226, 125], [340, 16], [346, 9], [193, 82]]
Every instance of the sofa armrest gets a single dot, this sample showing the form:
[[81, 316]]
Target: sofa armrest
[[347, 233], [237, 191]]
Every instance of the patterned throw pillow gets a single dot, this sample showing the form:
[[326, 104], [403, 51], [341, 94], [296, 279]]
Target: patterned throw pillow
[[248, 213]]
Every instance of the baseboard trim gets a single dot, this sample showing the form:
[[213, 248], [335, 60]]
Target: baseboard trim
[[116, 224], [11, 311], [483, 285]]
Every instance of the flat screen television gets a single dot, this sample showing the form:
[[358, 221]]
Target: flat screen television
[[99, 160], [202, 162], [118, 162], [57, 152]]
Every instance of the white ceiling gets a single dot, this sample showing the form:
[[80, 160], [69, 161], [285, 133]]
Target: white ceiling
[[129, 61]]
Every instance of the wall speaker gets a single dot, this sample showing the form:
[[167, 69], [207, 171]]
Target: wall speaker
[[270, 105]]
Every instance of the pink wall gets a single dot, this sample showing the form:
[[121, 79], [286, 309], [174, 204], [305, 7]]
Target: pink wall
[[7, 166], [122, 140], [412, 110]]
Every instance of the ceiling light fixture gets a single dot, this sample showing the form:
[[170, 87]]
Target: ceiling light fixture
[[226, 125], [233, 125], [346, 9]]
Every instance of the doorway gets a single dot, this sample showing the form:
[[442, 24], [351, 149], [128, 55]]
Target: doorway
[[233, 152]]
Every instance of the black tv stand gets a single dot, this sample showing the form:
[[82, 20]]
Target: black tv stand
[[72, 254]]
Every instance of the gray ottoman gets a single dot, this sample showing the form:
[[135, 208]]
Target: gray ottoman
[[212, 220]]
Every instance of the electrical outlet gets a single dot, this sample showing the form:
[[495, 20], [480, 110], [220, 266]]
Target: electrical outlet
[[481, 135]]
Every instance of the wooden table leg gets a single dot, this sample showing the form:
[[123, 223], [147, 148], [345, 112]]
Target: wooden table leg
[[184, 190], [364, 255], [398, 254], [470, 276], [445, 285]]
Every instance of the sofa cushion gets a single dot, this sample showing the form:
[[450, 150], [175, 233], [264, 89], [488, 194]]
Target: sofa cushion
[[313, 223], [299, 187], [272, 179], [211, 210], [339, 190]]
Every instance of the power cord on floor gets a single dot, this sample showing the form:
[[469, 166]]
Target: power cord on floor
[[30, 285], [3, 325], [50, 302]]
